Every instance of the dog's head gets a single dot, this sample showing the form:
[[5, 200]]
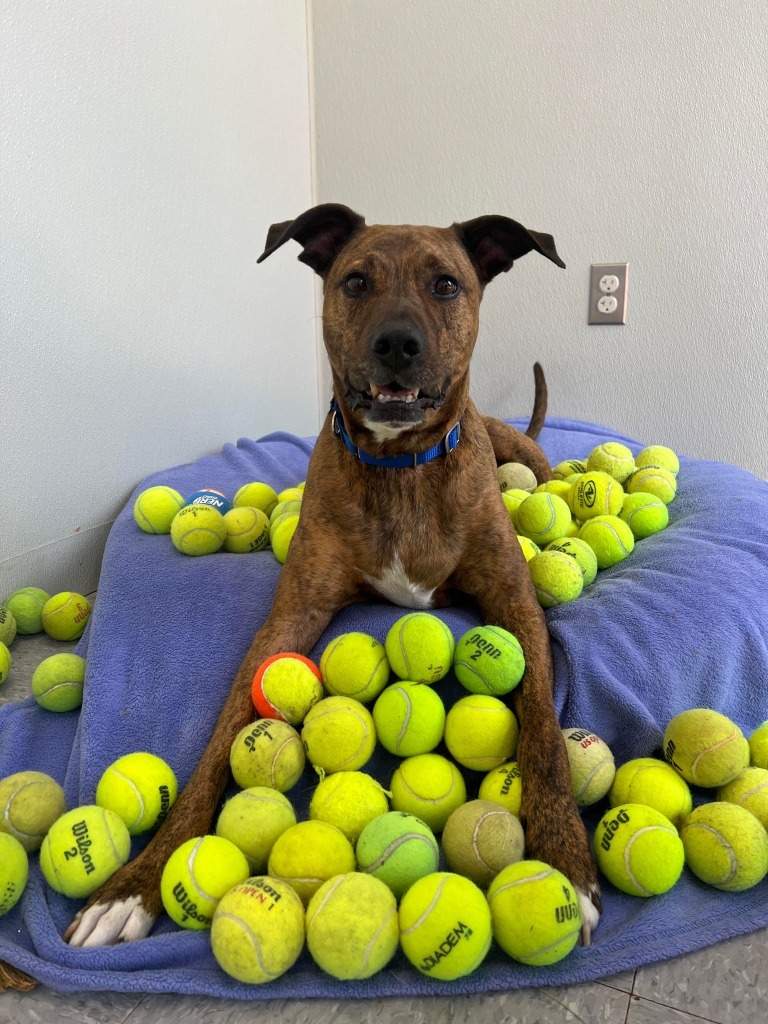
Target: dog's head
[[400, 310]]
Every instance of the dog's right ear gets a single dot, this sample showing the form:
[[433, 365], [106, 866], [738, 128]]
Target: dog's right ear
[[323, 231]]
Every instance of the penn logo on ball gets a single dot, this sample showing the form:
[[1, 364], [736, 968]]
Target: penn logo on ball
[[211, 498]]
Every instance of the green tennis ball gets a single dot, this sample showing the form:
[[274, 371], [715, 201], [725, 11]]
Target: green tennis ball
[[257, 933], [428, 786], [65, 616], [285, 508], [445, 926], [592, 766], [481, 732], [758, 746], [255, 495], [530, 550], [348, 800], [409, 719], [653, 481], [7, 626], [656, 456], [610, 538], [26, 606], [513, 499], [355, 665], [644, 514], [267, 753], [542, 517], [82, 849], [556, 577], [535, 911], [420, 648], [612, 458], [309, 854], [516, 476], [14, 871], [196, 876], [595, 494], [705, 747], [749, 790], [338, 735], [198, 530], [489, 659], [141, 788], [5, 663], [582, 552], [725, 846], [57, 682], [247, 530], [397, 849], [352, 926], [638, 850], [654, 784], [571, 467], [154, 509], [253, 819], [281, 534], [504, 786], [480, 839], [30, 802]]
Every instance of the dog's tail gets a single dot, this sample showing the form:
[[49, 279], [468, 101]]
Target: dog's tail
[[539, 403]]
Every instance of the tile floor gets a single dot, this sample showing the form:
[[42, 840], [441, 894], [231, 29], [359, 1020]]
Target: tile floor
[[725, 984]]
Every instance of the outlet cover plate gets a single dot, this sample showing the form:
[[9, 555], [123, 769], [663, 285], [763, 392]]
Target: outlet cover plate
[[598, 272]]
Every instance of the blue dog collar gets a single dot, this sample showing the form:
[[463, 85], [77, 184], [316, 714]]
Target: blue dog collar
[[444, 447]]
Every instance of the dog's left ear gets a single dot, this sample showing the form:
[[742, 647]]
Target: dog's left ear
[[494, 243], [323, 232]]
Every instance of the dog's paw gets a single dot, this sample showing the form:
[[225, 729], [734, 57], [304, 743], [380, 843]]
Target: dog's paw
[[110, 922]]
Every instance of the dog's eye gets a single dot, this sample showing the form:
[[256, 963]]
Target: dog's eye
[[445, 287], [355, 285]]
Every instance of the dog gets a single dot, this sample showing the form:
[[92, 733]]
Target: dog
[[402, 501]]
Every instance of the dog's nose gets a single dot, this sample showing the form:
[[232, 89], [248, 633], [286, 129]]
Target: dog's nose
[[397, 347]]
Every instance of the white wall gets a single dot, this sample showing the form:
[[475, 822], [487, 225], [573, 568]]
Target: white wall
[[630, 131], [146, 148]]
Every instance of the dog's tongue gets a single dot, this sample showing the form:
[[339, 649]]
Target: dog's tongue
[[394, 394]]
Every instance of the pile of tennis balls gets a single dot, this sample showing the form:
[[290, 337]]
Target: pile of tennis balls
[[207, 521], [588, 517]]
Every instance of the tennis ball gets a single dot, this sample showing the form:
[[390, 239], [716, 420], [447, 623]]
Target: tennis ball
[[338, 735], [255, 495], [644, 514], [141, 788], [488, 659], [291, 494], [26, 606], [65, 615], [610, 538], [409, 719], [595, 494], [530, 550], [656, 456], [428, 786], [638, 850], [253, 819], [535, 912], [705, 747], [581, 551], [749, 790], [83, 848], [543, 517], [247, 530], [653, 481], [7, 626], [57, 682], [281, 535], [286, 686], [155, 508], [267, 753], [397, 849], [612, 458], [516, 476], [480, 838], [30, 802], [285, 508], [14, 871], [257, 932], [308, 854], [198, 530], [725, 846], [758, 746], [592, 766], [571, 467], [196, 876], [355, 665], [352, 926], [654, 784], [503, 786], [559, 487], [5, 663], [513, 499], [556, 577], [348, 800], [420, 648], [481, 732]]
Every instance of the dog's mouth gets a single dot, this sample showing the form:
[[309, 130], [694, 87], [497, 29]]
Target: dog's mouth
[[393, 398]]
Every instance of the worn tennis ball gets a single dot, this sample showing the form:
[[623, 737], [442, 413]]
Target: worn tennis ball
[[267, 753], [210, 498], [352, 926], [198, 530], [530, 549], [638, 850], [155, 509], [571, 467], [30, 802], [656, 456], [612, 458], [338, 735], [480, 839], [535, 912], [141, 788], [409, 719], [285, 508], [308, 854], [610, 538], [14, 871], [65, 615], [581, 551], [286, 686], [26, 606], [428, 786], [489, 659], [196, 876], [257, 932], [355, 665], [656, 784], [291, 494], [7, 626], [256, 495], [57, 682], [445, 926], [556, 577], [653, 481], [725, 846], [513, 499], [397, 849], [5, 663], [758, 746], [644, 514], [542, 517], [749, 790], [705, 747], [83, 848], [253, 819], [516, 476], [247, 530], [281, 535], [348, 800], [559, 487], [595, 494], [420, 648], [504, 786], [591, 763], [481, 732]]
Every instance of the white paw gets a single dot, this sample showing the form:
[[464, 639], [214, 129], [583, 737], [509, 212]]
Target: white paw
[[105, 924], [590, 915]]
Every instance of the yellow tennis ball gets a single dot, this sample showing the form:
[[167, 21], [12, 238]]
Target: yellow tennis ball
[[291, 494], [725, 846], [610, 538], [285, 508], [480, 839], [30, 802], [5, 663], [348, 800], [557, 578], [26, 606], [428, 786], [355, 665], [257, 932], [705, 747], [247, 530], [141, 788], [559, 487], [65, 616], [83, 848], [7, 626], [644, 514], [512, 500], [542, 517], [530, 549], [570, 467], [309, 854], [656, 784], [198, 530], [267, 753], [592, 766], [338, 735], [612, 458], [14, 871], [581, 551], [653, 481], [656, 456], [352, 926], [281, 534], [420, 648], [749, 790], [57, 682], [516, 476], [196, 876], [445, 926], [758, 746], [489, 659], [286, 686], [253, 819], [595, 494], [504, 786], [255, 495], [409, 719], [397, 849], [638, 850], [535, 911], [155, 508], [481, 732]]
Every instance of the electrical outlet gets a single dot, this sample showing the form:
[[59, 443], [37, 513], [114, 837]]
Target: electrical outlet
[[608, 293]]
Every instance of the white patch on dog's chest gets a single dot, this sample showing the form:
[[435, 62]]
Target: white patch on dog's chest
[[397, 588]]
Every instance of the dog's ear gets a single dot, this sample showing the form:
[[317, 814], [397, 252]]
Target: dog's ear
[[323, 232], [494, 243]]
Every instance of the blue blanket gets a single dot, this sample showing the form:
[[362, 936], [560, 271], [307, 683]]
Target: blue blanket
[[682, 623]]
